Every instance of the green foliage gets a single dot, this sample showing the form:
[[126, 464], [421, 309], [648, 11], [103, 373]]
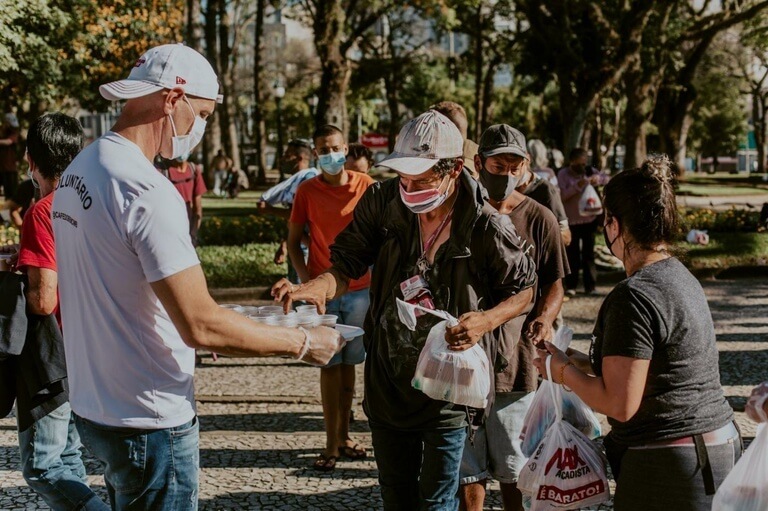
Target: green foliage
[[242, 230], [245, 266], [732, 220], [32, 44], [720, 121], [9, 235], [52, 51]]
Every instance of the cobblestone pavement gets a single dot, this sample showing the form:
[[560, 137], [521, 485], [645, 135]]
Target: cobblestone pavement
[[261, 421]]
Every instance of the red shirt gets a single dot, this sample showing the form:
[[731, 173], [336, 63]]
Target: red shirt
[[188, 181], [327, 210], [37, 248]]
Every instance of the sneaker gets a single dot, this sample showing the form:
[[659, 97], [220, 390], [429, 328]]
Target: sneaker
[[570, 292]]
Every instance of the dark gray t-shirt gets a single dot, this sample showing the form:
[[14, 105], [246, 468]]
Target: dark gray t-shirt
[[660, 314], [548, 195]]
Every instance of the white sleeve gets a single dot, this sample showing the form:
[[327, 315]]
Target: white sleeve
[[157, 227]]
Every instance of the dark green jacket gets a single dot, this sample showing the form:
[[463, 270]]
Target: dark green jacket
[[479, 266]]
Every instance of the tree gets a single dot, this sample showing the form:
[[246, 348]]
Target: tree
[[259, 126], [338, 26], [493, 26], [747, 52], [642, 80], [719, 121], [33, 34], [112, 35], [586, 46], [391, 53], [703, 21]]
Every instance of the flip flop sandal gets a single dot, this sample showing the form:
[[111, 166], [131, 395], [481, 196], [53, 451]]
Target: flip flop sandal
[[325, 463], [353, 453]]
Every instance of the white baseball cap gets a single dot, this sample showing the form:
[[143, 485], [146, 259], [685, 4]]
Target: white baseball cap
[[167, 67], [424, 141]]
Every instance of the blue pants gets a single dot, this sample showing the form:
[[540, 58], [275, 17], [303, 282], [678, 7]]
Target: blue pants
[[147, 468], [419, 470], [51, 463], [351, 309]]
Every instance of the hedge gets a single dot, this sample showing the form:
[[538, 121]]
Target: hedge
[[242, 230], [241, 266]]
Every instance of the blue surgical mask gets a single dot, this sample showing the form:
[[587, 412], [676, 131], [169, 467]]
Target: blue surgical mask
[[332, 163]]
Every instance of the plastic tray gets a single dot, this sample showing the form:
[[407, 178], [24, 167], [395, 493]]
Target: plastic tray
[[350, 332]]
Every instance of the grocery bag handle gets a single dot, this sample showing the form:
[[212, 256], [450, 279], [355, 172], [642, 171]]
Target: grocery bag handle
[[452, 322], [554, 391]]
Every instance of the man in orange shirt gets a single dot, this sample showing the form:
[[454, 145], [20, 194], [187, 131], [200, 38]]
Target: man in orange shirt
[[325, 204]]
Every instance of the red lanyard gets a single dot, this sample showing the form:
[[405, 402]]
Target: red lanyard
[[431, 241]]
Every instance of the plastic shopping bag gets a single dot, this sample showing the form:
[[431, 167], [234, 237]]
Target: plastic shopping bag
[[567, 471], [460, 377], [589, 203], [542, 412], [746, 487]]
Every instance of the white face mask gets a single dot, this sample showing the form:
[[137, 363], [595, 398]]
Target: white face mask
[[183, 144], [30, 176]]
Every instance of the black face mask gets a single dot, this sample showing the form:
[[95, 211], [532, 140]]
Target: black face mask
[[609, 243], [498, 187], [288, 166]]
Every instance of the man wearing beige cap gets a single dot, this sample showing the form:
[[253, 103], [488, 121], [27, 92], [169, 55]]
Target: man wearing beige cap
[[134, 299], [431, 239]]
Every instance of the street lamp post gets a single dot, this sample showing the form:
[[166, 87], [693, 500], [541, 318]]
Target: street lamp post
[[279, 91]]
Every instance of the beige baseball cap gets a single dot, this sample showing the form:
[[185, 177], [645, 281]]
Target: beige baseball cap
[[166, 67], [424, 141]]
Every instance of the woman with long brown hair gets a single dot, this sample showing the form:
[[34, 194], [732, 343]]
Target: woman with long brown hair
[[653, 362]]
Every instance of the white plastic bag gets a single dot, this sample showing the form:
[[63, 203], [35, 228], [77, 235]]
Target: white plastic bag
[[746, 487], [567, 471], [697, 237], [543, 412], [589, 203], [460, 377]]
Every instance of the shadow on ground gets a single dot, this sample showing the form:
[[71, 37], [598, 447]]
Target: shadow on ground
[[273, 422], [365, 498], [297, 460]]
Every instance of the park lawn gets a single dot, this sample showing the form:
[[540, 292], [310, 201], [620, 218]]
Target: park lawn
[[722, 184], [241, 266], [244, 204], [252, 265], [726, 250]]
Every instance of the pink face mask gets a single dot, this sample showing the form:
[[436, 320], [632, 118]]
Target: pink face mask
[[423, 201]]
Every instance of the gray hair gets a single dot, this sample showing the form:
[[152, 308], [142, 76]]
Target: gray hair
[[538, 152], [444, 166]]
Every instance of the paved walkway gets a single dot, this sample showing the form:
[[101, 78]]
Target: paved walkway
[[261, 422]]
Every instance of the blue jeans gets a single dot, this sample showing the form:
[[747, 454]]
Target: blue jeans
[[351, 309], [419, 470], [51, 463], [146, 468]]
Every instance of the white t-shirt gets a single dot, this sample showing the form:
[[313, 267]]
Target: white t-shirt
[[119, 225]]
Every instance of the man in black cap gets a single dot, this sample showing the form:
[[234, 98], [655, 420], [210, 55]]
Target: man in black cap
[[502, 159]]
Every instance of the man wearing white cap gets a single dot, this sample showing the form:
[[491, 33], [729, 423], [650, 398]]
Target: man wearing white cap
[[431, 240], [134, 299]]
